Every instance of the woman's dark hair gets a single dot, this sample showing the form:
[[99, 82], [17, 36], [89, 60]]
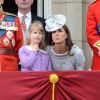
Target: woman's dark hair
[[69, 42]]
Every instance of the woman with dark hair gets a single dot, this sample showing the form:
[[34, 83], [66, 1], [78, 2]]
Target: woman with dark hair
[[64, 55]]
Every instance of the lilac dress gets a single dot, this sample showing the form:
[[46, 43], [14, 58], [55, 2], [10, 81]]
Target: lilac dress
[[34, 60]]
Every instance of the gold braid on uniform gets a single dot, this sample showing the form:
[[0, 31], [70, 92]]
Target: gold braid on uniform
[[97, 45], [7, 13]]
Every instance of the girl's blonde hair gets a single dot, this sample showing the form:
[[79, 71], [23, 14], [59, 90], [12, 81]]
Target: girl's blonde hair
[[36, 24]]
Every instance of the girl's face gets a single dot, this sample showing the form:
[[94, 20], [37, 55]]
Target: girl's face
[[59, 36], [36, 36]]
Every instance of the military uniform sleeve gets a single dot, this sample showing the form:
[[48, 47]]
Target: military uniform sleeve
[[18, 37], [92, 32]]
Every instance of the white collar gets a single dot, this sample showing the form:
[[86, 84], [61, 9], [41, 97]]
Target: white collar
[[20, 15], [41, 50]]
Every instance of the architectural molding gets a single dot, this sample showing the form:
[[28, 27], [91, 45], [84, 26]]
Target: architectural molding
[[47, 8], [40, 8]]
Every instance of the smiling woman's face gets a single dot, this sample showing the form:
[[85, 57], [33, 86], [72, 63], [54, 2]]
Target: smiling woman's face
[[1, 2]]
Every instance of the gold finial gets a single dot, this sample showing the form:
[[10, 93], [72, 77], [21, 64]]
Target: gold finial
[[53, 78]]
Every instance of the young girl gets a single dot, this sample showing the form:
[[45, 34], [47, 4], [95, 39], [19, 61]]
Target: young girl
[[32, 56]]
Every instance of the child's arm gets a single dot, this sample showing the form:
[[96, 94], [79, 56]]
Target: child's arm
[[27, 59]]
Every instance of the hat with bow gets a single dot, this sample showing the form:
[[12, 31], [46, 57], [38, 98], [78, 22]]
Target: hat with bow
[[55, 22]]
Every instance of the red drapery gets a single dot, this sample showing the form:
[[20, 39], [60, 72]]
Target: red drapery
[[72, 85]]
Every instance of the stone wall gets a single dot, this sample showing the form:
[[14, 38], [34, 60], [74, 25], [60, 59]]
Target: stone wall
[[75, 12]]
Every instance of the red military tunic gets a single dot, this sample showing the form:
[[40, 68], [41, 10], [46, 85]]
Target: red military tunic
[[11, 39], [93, 32]]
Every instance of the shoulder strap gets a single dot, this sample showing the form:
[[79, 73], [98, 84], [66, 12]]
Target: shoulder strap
[[7, 18]]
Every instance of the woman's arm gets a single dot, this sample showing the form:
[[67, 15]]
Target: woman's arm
[[80, 60]]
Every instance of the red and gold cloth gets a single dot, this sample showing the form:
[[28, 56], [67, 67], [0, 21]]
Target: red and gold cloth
[[72, 85]]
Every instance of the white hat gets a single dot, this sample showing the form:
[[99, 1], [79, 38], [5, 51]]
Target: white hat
[[55, 22]]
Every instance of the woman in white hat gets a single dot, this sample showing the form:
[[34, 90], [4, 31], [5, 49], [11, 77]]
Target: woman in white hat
[[64, 55]]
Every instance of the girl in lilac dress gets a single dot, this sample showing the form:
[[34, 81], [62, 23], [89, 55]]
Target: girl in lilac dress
[[32, 56]]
